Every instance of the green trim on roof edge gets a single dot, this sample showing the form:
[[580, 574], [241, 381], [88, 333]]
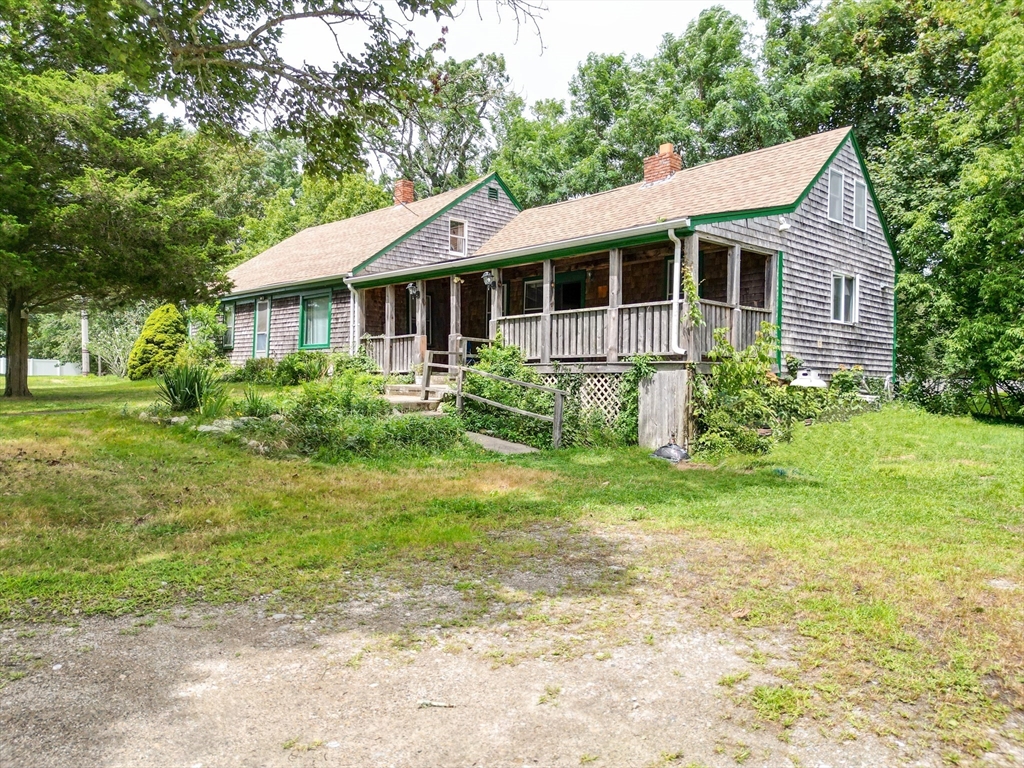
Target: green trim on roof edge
[[493, 176]]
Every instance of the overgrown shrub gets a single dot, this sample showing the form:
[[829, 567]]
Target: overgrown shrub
[[256, 370], [360, 362], [163, 334], [345, 416], [507, 361], [741, 405], [192, 388], [302, 366], [204, 330], [580, 426]]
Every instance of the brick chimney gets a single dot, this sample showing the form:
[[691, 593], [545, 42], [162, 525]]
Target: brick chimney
[[405, 193], [662, 165]]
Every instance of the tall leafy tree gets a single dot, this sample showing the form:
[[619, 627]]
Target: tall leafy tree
[[97, 200], [222, 59], [444, 138], [315, 200], [702, 91]]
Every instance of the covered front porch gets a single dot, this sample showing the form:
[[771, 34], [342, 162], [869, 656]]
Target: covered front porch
[[593, 309]]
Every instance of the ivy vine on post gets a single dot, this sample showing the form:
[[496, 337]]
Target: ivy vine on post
[[627, 424], [692, 295]]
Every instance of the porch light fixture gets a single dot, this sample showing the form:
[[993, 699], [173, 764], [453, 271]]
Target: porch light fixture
[[413, 289], [783, 224], [488, 279]]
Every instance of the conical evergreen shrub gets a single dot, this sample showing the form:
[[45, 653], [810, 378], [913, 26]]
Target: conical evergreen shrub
[[162, 336]]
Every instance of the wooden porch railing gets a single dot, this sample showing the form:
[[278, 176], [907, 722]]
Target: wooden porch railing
[[579, 333], [523, 331], [583, 334], [392, 355], [645, 328]]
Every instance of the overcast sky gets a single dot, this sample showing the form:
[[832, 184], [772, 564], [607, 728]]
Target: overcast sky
[[570, 29]]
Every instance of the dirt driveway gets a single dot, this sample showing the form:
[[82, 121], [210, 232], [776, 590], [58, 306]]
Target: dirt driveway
[[568, 664]]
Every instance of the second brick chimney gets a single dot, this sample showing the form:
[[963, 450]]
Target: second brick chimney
[[405, 193], [662, 165]]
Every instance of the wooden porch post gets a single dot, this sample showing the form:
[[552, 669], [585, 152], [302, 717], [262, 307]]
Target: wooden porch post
[[691, 260], [547, 309], [389, 326], [497, 292], [359, 308], [454, 318], [421, 321], [614, 300], [734, 294]]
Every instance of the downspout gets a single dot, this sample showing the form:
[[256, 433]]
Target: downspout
[[352, 347], [677, 278]]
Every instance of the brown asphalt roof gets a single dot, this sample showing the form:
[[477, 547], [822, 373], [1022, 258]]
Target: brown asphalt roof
[[335, 249], [767, 178]]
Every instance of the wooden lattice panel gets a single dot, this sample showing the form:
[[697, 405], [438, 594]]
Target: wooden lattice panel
[[600, 390]]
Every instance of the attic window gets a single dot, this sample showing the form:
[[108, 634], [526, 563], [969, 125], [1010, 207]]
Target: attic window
[[860, 205], [492, 193], [835, 196], [457, 236]]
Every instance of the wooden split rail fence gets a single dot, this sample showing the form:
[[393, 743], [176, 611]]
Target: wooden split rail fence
[[459, 371]]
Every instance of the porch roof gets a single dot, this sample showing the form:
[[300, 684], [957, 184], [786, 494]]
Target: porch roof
[[336, 249], [762, 182]]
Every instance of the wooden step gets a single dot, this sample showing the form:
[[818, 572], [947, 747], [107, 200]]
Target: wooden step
[[412, 403]]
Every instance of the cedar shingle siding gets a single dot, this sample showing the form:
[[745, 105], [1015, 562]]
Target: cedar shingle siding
[[814, 247], [484, 217], [242, 349]]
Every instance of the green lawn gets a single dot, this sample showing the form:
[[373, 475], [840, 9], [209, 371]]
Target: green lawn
[[891, 547]]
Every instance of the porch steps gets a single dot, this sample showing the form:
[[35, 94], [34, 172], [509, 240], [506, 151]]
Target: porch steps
[[407, 398]]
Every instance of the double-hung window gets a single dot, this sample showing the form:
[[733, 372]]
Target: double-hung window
[[228, 315], [835, 195], [316, 322], [860, 205], [844, 298], [261, 339], [457, 236]]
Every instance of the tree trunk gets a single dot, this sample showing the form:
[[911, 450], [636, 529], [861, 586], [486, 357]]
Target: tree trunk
[[17, 347]]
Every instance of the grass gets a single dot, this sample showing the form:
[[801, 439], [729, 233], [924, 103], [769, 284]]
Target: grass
[[890, 547]]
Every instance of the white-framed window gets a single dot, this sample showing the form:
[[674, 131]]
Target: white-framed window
[[228, 314], [836, 181], [533, 295], [457, 236], [860, 205], [316, 322], [261, 337], [844, 298]]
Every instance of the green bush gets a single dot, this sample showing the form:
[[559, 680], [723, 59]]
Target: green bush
[[163, 334], [334, 419], [507, 361], [255, 404], [256, 370], [360, 362], [302, 366], [192, 388], [580, 426], [741, 399]]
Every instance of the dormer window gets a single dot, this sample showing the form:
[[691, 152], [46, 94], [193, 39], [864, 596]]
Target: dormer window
[[457, 236]]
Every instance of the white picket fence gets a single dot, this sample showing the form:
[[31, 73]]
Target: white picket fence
[[46, 368]]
